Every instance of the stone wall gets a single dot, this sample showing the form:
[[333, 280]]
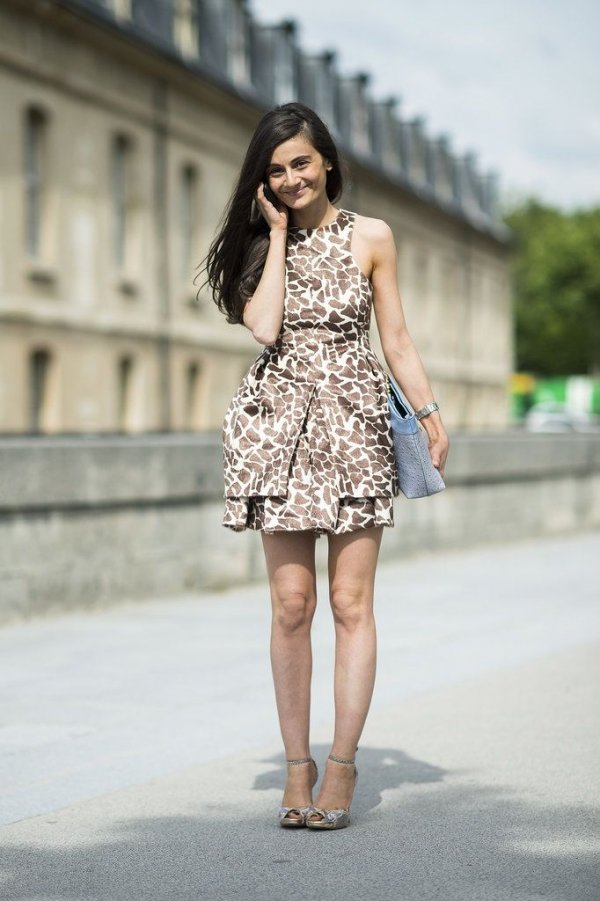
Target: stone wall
[[92, 521]]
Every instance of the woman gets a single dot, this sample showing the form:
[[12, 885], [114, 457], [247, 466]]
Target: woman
[[306, 439]]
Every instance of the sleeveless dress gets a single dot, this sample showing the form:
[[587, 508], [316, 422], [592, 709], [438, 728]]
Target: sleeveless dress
[[307, 442]]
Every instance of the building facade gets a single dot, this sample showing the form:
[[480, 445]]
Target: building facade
[[124, 126]]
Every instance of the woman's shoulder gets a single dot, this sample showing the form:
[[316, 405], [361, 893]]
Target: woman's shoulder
[[375, 237], [371, 229]]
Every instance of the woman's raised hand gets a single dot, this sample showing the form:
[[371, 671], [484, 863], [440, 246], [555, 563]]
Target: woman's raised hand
[[276, 217]]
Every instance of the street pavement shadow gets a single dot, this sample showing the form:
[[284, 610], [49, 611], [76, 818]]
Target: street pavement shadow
[[379, 769], [432, 838]]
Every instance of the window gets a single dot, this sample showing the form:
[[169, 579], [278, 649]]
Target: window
[[417, 150], [284, 62], [238, 41], [193, 400], [186, 26], [39, 384], [35, 178], [188, 220], [124, 391], [121, 7], [154, 17], [121, 196], [442, 166], [317, 84]]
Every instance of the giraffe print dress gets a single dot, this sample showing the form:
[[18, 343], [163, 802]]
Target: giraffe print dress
[[307, 443]]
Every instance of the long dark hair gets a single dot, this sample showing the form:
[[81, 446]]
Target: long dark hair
[[236, 257]]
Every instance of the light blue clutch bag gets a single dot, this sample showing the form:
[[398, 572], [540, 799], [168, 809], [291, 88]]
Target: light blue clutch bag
[[417, 476]]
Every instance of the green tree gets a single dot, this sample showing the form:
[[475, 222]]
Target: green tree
[[556, 281]]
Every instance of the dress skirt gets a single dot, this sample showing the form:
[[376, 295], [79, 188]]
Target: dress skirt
[[312, 503]]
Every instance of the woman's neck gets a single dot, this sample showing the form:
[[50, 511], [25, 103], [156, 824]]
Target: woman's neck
[[314, 216]]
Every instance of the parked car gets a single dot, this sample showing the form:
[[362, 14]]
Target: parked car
[[552, 417]]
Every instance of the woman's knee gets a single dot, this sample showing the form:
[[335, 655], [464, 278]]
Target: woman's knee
[[293, 609], [352, 605]]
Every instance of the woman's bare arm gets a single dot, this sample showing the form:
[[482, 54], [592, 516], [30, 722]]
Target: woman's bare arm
[[399, 350], [263, 313]]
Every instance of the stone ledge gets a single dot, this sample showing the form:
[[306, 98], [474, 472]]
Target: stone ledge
[[50, 473], [516, 455], [116, 471]]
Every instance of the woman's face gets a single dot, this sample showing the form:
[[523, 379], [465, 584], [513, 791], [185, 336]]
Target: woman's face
[[297, 174]]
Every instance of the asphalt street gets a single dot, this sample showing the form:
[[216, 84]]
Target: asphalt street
[[140, 755]]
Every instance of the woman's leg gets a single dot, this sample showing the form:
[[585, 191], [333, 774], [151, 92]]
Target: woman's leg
[[352, 563], [290, 559]]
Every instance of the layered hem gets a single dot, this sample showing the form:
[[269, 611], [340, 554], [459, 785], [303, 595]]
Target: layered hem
[[277, 514]]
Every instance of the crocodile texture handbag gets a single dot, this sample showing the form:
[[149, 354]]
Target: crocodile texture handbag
[[417, 476]]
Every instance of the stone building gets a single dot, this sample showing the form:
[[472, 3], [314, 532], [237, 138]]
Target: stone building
[[124, 124]]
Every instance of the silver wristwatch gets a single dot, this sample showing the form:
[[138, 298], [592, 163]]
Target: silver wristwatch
[[426, 410]]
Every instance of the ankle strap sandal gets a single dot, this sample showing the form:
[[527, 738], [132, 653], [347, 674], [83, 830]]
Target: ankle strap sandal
[[337, 818], [295, 817]]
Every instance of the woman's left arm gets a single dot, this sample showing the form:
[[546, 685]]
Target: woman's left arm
[[399, 350]]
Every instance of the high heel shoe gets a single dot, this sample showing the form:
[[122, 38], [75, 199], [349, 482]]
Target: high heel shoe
[[296, 816], [332, 819]]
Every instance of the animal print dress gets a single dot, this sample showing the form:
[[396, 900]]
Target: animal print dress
[[306, 438]]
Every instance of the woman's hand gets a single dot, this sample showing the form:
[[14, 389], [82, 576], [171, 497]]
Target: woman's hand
[[276, 217], [437, 440]]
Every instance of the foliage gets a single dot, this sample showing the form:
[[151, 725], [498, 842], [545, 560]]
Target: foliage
[[556, 284]]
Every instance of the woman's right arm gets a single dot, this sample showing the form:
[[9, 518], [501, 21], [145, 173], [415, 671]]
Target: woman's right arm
[[263, 313]]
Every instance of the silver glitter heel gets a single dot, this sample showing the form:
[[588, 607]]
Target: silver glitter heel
[[300, 813], [332, 819]]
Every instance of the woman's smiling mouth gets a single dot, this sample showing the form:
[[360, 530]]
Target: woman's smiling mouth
[[297, 192]]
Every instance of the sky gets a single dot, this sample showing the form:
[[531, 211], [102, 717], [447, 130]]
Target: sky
[[517, 82]]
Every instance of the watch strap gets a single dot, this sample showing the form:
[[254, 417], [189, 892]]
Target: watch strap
[[426, 410]]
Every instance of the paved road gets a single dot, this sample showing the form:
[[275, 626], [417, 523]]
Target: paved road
[[140, 759]]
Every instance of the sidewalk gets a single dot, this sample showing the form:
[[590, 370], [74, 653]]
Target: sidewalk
[[141, 757]]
